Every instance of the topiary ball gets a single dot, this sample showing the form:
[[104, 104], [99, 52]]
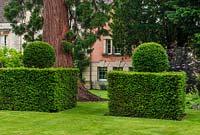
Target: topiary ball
[[39, 54], [150, 57]]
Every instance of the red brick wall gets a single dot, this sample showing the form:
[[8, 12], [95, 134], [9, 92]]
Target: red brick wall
[[98, 54]]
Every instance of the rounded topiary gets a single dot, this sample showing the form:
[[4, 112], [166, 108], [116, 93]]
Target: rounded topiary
[[150, 57], [39, 54]]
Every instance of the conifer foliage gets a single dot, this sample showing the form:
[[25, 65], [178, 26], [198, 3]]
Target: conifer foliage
[[39, 54], [150, 57], [17, 12]]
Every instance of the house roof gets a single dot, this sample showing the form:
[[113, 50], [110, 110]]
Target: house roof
[[2, 5]]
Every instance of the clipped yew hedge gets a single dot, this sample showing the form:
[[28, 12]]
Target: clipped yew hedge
[[47, 90], [39, 54], [144, 94], [150, 57]]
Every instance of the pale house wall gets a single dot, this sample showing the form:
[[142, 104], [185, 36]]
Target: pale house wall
[[12, 40]]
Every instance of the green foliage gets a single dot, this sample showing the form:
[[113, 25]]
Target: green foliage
[[103, 86], [138, 21], [164, 21], [89, 19], [151, 95], [91, 115], [196, 45], [10, 58], [48, 90], [100, 93], [39, 55], [89, 14], [193, 99], [185, 15], [16, 13], [150, 57], [81, 47]]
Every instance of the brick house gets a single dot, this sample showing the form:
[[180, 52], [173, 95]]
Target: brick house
[[104, 57], [6, 36]]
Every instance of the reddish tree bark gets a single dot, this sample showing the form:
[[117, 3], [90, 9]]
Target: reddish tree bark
[[56, 24], [54, 29]]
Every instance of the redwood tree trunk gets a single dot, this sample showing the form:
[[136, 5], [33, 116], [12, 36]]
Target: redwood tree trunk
[[55, 26], [54, 29]]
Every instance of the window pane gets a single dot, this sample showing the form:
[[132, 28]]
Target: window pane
[[3, 40], [102, 71], [108, 46]]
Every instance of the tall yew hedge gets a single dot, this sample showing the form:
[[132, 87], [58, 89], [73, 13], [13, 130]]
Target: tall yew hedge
[[48, 90], [144, 94]]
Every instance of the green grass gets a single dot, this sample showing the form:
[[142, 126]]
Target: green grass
[[100, 93], [89, 119]]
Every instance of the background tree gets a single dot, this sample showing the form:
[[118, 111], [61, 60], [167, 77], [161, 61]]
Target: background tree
[[56, 24], [17, 13], [87, 21], [185, 15], [196, 45], [138, 21]]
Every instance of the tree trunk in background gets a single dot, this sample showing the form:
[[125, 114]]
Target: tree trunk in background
[[54, 29], [56, 24]]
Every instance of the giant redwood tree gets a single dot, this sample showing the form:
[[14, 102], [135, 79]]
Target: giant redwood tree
[[62, 18], [55, 26], [82, 17]]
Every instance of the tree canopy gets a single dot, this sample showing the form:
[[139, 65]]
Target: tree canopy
[[25, 18], [163, 21], [136, 21], [185, 15]]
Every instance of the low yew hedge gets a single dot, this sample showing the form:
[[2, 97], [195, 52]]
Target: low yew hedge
[[48, 90], [144, 94]]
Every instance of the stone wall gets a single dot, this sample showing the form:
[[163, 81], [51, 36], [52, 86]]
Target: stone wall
[[13, 41], [91, 76]]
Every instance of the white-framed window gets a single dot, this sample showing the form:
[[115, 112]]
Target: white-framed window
[[3, 40], [118, 68], [108, 46], [102, 73], [109, 49]]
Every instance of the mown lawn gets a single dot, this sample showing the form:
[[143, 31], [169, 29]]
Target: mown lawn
[[100, 93], [89, 119]]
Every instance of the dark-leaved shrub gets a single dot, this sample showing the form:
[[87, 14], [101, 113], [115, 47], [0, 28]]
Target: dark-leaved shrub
[[150, 57], [39, 54]]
